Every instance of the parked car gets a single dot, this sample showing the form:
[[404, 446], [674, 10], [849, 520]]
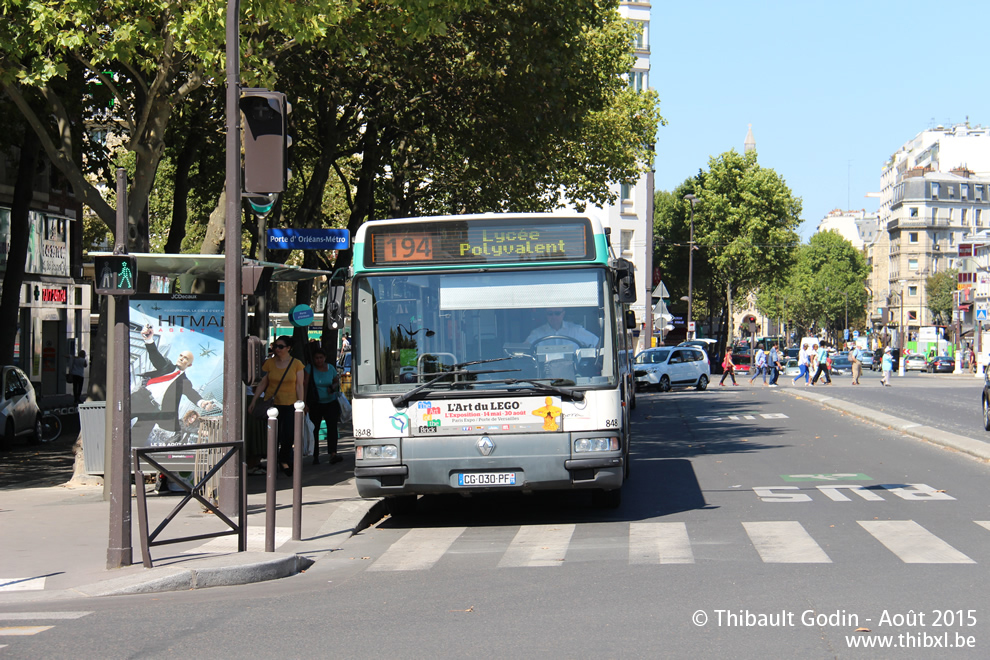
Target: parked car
[[986, 399], [792, 352], [19, 411], [791, 367], [866, 358], [841, 364], [878, 359], [941, 364], [709, 346], [664, 368], [915, 362]]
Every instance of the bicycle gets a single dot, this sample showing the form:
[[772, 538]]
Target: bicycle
[[51, 426]]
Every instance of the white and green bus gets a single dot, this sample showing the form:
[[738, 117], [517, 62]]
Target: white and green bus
[[486, 356]]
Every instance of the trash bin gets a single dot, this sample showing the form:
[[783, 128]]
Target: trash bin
[[93, 425]]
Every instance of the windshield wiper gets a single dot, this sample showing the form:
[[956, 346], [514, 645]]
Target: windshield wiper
[[401, 400], [574, 395]]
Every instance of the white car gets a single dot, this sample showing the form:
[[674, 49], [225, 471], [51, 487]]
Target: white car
[[19, 411], [679, 366]]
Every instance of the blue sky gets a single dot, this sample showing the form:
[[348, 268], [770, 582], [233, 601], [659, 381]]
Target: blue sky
[[831, 89]]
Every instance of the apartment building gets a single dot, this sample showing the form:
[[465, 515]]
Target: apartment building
[[630, 219], [933, 192]]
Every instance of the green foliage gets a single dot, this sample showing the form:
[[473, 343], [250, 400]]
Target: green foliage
[[939, 289], [828, 267], [744, 228]]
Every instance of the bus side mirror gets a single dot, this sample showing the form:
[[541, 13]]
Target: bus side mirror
[[630, 317], [625, 281]]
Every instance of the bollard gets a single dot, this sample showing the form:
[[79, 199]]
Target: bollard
[[297, 462], [270, 475]]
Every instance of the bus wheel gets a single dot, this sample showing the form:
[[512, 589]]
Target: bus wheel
[[607, 499], [400, 505]]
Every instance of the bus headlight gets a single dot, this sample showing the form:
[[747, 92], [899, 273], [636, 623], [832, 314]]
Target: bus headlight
[[377, 452], [582, 445]]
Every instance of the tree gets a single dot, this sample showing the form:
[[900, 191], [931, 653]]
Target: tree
[[939, 288], [826, 268], [148, 58], [744, 228]]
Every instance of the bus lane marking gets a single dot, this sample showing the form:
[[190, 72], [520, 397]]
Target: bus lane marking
[[908, 492]]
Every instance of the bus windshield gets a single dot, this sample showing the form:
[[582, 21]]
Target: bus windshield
[[505, 330]]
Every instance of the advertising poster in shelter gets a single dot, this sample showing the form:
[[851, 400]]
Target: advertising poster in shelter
[[176, 348]]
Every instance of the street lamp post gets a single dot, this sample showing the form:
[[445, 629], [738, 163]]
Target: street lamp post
[[900, 333], [694, 200]]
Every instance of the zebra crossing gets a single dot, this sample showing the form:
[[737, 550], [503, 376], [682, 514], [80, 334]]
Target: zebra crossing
[[34, 618], [654, 543]]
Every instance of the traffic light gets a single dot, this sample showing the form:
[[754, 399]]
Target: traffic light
[[265, 140], [116, 275]]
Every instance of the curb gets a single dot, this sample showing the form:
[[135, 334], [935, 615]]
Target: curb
[[219, 571], [975, 448]]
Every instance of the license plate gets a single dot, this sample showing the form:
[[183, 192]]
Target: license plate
[[486, 479]]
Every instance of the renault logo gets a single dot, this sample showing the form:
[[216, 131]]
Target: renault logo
[[486, 446]]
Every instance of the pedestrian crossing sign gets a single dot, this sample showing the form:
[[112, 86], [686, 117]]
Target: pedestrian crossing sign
[[981, 314]]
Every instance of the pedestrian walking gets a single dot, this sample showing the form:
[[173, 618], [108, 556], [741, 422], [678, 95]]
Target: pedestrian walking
[[77, 373], [728, 369], [804, 361], [886, 365], [822, 360], [773, 360], [855, 358], [760, 365]]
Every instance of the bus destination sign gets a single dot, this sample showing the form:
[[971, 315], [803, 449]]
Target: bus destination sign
[[503, 241]]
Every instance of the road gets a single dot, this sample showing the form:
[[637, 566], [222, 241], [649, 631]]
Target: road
[[756, 524]]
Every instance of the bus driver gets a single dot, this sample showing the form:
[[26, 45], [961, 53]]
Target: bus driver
[[556, 326]]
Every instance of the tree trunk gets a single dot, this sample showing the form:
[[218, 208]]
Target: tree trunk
[[181, 188], [216, 227], [17, 253]]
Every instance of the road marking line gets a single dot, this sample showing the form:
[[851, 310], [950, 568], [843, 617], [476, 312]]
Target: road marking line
[[912, 543], [40, 616], [983, 523], [785, 542], [23, 631], [22, 584], [659, 543], [255, 541], [538, 545], [418, 549]]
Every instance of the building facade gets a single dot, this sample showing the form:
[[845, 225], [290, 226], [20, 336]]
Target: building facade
[[630, 219], [53, 319], [933, 191]]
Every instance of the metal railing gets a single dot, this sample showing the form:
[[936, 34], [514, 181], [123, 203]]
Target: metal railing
[[233, 449]]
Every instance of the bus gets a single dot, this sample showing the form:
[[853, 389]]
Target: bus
[[486, 357]]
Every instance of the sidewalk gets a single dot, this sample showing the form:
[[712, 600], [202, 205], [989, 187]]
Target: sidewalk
[[54, 541]]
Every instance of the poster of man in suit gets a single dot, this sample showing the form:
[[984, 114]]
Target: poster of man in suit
[[176, 348]]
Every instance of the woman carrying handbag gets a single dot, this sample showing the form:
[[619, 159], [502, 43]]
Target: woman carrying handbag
[[322, 386], [287, 372]]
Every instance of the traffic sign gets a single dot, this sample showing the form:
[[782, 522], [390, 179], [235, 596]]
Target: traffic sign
[[981, 314], [660, 292]]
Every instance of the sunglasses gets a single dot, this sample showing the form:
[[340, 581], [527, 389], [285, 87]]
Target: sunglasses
[[279, 345]]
